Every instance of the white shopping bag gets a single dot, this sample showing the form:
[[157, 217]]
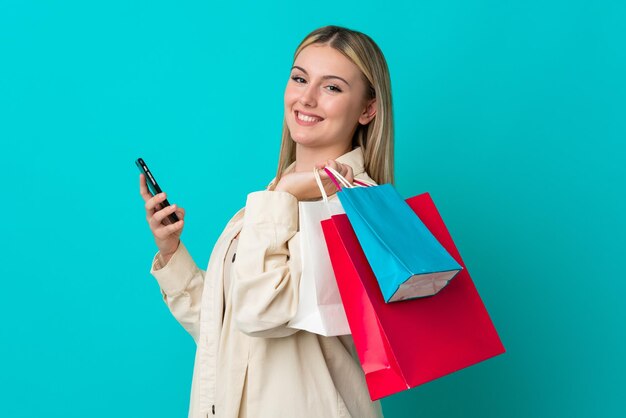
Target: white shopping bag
[[320, 309]]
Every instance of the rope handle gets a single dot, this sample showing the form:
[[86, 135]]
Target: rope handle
[[364, 183], [338, 180], [316, 173]]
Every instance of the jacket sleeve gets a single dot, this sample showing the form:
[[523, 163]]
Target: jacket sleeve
[[267, 268], [181, 283]]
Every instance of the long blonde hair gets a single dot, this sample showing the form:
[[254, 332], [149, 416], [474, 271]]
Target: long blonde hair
[[375, 138]]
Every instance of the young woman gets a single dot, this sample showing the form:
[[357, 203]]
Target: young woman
[[248, 362]]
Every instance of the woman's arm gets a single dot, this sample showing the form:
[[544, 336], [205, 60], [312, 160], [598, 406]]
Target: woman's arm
[[181, 283], [267, 268]]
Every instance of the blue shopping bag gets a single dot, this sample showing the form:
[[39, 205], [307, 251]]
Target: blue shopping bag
[[406, 258]]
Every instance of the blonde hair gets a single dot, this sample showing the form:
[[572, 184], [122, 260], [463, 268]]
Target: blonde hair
[[375, 138]]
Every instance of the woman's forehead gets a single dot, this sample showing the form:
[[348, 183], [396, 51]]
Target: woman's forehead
[[325, 60]]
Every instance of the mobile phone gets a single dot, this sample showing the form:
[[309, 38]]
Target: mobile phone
[[154, 187]]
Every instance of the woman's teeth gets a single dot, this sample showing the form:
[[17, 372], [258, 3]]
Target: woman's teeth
[[307, 118]]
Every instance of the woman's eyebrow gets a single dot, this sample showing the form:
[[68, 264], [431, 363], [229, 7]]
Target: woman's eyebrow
[[325, 77]]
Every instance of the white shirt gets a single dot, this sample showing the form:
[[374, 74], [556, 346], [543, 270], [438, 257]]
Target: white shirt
[[248, 363]]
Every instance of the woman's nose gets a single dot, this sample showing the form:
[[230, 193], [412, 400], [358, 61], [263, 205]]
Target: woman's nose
[[307, 98]]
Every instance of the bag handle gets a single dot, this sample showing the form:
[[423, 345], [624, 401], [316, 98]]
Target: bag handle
[[318, 179], [365, 183], [316, 173], [337, 178]]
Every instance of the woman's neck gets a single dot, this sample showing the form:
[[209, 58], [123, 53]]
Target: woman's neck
[[307, 157]]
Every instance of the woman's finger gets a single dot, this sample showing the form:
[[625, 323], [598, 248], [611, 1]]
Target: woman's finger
[[342, 169], [349, 174], [323, 175], [332, 164], [326, 180], [151, 204], [335, 166], [165, 231], [157, 218], [143, 188]]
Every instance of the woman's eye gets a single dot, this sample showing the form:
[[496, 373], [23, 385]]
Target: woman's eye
[[301, 80]]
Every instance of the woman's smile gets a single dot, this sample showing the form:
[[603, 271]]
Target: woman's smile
[[306, 120]]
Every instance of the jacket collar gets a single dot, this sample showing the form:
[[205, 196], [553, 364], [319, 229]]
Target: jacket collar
[[352, 158]]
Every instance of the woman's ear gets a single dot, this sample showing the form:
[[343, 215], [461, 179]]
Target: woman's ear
[[369, 112]]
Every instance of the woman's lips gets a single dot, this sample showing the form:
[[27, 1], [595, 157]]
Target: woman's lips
[[305, 123]]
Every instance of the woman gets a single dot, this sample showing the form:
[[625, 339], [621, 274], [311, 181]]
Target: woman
[[248, 362]]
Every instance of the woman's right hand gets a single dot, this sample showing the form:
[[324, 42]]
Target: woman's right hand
[[166, 234], [303, 186]]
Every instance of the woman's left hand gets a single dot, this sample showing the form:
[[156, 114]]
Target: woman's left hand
[[303, 185]]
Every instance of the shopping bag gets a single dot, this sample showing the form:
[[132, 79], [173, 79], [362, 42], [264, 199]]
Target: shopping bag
[[320, 309], [405, 344], [406, 258]]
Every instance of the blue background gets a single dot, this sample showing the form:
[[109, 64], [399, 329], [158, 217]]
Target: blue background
[[510, 113]]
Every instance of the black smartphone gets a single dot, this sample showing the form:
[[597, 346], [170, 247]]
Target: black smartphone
[[154, 188]]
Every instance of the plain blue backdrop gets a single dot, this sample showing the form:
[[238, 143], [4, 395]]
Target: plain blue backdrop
[[510, 113]]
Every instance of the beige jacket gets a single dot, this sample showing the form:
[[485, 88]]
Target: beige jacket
[[248, 363]]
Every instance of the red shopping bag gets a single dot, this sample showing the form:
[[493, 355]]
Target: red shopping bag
[[405, 344]]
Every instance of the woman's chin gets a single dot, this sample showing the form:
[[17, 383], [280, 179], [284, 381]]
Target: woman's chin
[[304, 140]]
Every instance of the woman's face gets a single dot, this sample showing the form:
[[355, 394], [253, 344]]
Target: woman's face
[[328, 87]]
